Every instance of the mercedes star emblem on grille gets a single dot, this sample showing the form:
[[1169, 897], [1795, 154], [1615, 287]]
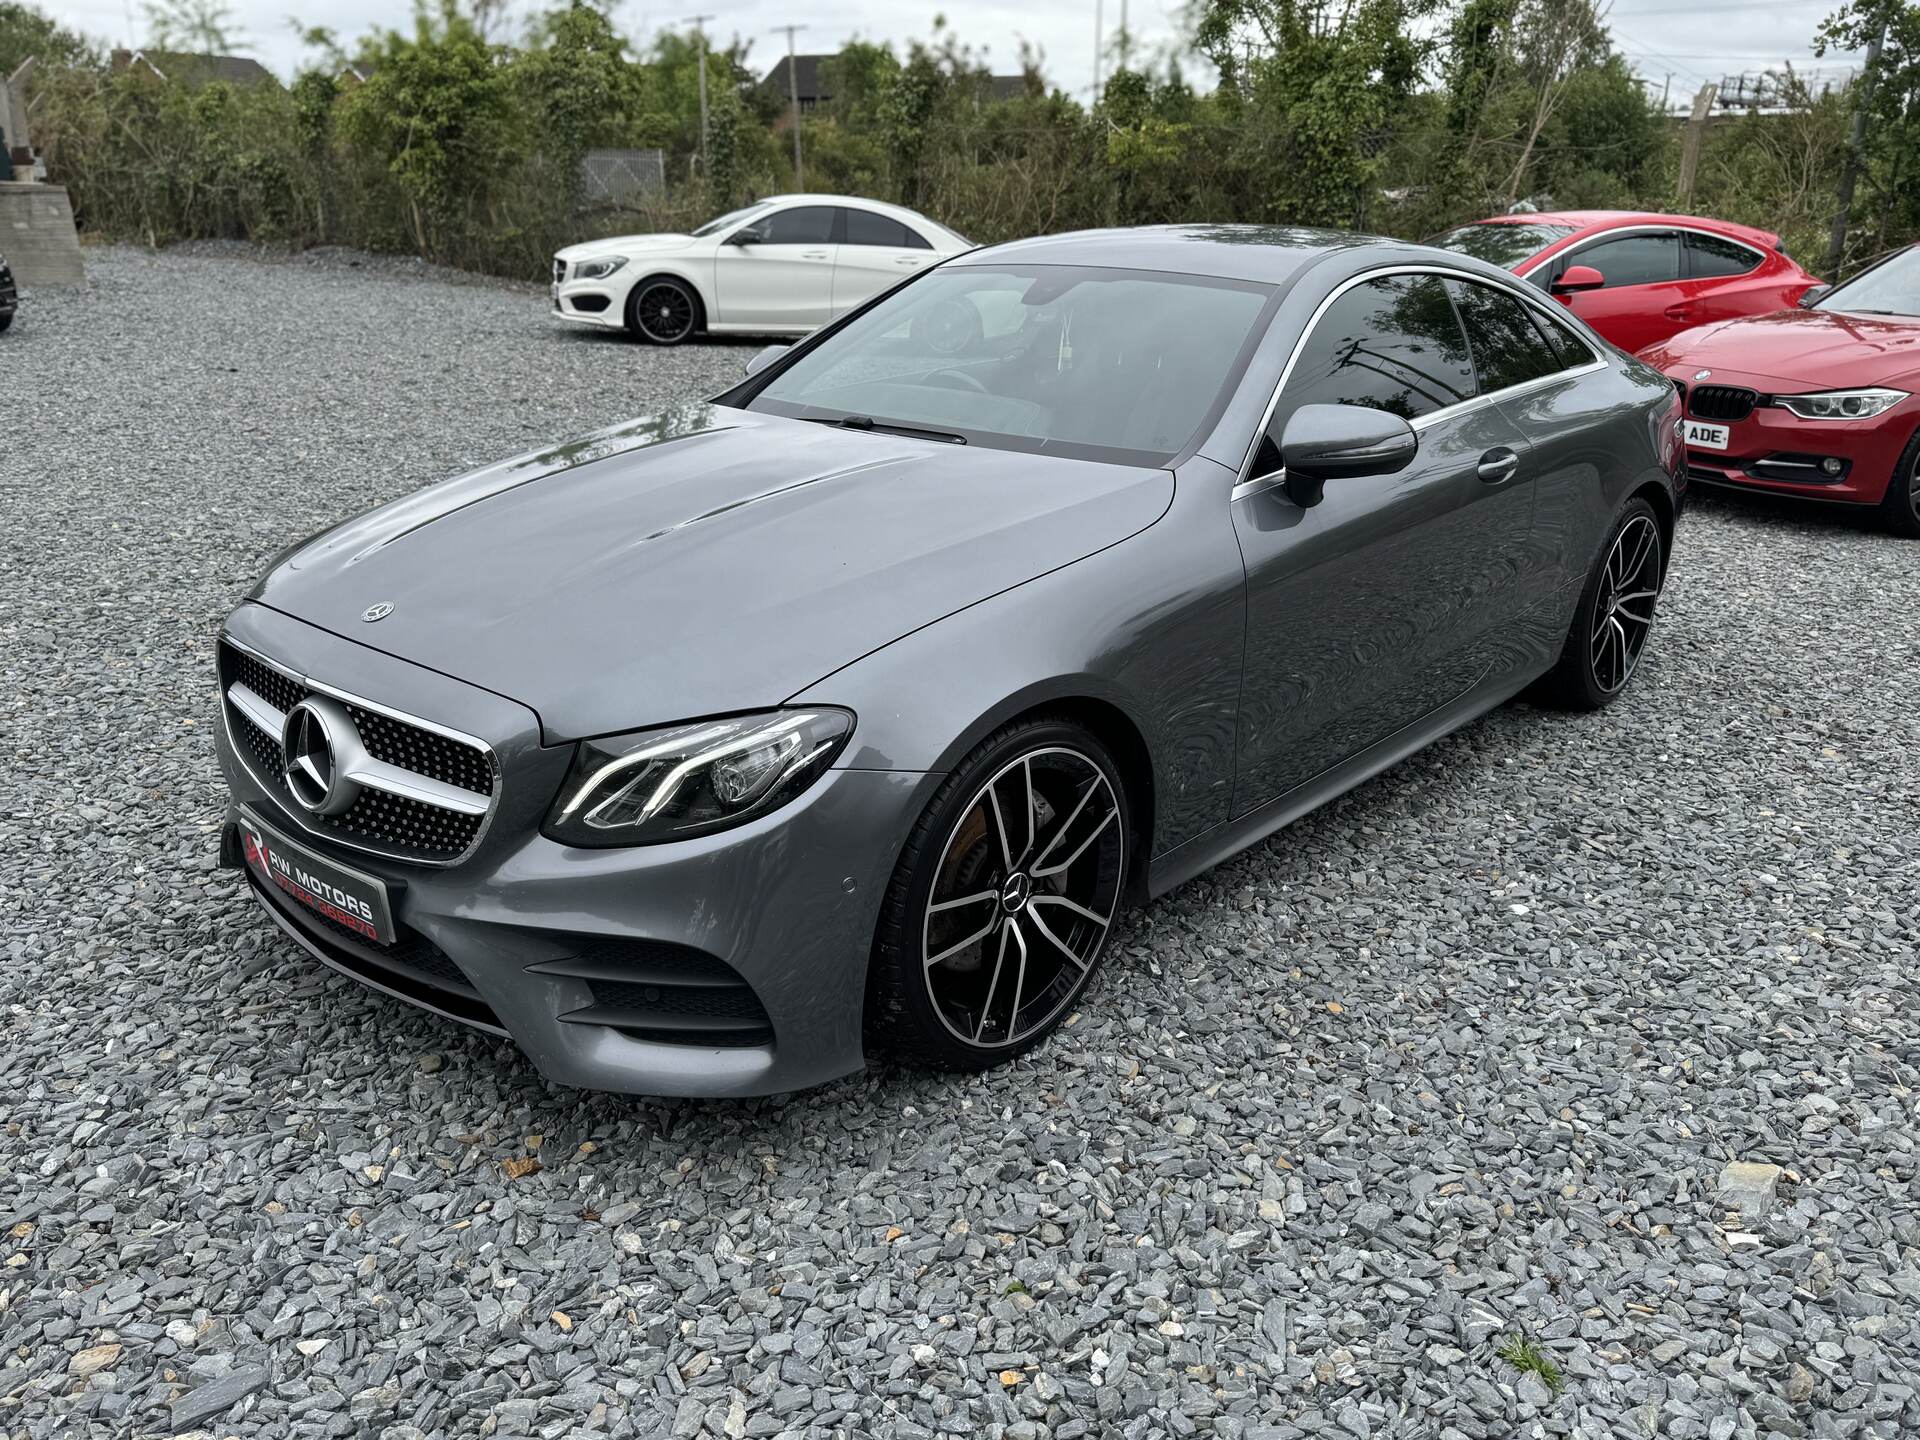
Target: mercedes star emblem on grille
[[318, 741], [378, 611]]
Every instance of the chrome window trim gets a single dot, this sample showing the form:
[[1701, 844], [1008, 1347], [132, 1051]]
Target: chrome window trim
[[1759, 255], [347, 696], [1247, 484]]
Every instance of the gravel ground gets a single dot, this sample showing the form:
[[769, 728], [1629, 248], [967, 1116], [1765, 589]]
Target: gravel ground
[[1455, 1064]]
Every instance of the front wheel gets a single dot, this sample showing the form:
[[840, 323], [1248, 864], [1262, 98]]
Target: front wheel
[[1900, 510], [1615, 617], [663, 310], [1003, 901]]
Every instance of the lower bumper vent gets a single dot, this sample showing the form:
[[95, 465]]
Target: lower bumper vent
[[668, 994]]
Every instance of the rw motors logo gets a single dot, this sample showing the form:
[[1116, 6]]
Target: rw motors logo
[[322, 895]]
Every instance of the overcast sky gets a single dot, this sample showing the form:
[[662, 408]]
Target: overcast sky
[[1691, 40]]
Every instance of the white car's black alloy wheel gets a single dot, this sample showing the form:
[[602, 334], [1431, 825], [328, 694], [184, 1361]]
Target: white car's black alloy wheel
[[664, 312], [1023, 898]]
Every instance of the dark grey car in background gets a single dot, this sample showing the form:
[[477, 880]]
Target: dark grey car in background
[[707, 753]]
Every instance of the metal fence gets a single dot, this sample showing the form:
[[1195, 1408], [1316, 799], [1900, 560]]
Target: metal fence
[[620, 178]]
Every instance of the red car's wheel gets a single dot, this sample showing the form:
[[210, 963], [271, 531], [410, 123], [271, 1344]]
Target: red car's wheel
[[1900, 507]]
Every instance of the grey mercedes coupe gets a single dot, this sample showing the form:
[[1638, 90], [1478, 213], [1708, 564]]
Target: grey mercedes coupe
[[844, 712]]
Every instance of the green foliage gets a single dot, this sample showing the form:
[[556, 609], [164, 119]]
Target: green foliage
[[203, 27], [25, 31], [1528, 1358], [1405, 116]]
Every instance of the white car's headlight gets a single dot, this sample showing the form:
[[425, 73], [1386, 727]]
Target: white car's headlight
[[597, 269], [1842, 404], [686, 780]]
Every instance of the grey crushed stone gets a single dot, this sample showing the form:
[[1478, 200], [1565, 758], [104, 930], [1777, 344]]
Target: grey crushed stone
[[1579, 964]]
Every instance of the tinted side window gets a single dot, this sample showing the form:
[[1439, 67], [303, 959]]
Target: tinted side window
[[866, 228], [1393, 343], [1632, 259], [1508, 348], [1709, 255], [807, 225]]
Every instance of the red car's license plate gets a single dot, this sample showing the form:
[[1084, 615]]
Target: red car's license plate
[[344, 896]]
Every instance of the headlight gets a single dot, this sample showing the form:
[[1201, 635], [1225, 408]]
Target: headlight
[[1842, 404], [597, 269], [686, 780]]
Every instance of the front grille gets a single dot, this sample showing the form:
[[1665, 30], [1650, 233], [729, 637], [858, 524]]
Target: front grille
[[400, 826], [589, 304], [559, 271], [1722, 402], [668, 994]]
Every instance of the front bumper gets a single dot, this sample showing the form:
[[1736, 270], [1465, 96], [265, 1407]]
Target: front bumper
[[562, 948], [1772, 444]]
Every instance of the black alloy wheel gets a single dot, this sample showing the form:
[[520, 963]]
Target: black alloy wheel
[[663, 311]]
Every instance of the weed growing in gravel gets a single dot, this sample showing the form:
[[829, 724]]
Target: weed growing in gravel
[[1522, 1354]]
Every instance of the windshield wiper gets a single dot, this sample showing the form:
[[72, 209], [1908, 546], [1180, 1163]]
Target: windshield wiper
[[886, 427]]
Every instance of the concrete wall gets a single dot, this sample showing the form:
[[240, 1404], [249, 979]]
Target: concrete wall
[[36, 234]]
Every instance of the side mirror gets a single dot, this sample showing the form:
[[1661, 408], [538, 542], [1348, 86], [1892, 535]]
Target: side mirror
[[747, 235], [1339, 442], [1578, 278], [765, 358], [1815, 294]]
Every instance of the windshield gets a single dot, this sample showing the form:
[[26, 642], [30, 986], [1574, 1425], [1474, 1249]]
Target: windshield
[[1890, 288], [732, 217], [1119, 365], [1501, 244]]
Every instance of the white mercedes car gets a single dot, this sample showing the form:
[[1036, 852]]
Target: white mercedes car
[[782, 266]]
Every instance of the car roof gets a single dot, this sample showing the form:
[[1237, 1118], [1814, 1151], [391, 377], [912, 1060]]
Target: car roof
[[1267, 254], [1588, 221], [858, 202]]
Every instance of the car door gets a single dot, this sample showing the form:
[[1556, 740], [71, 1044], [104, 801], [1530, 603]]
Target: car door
[[876, 252], [1723, 280], [1642, 271], [776, 271], [1383, 600]]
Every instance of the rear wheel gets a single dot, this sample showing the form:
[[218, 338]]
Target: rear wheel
[[1900, 509], [1615, 617], [1003, 901], [663, 310]]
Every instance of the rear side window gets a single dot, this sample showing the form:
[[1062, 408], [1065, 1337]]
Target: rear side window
[[1631, 260], [1394, 344], [1507, 344], [806, 225], [1709, 256], [866, 228]]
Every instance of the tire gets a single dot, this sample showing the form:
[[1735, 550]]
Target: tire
[[6, 322], [663, 311], [979, 904], [1900, 507], [1615, 616]]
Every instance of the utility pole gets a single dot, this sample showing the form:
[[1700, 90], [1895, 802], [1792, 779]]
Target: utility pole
[[1096, 50], [1850, 172], [1690, 146], [700, 42], [793, 95]]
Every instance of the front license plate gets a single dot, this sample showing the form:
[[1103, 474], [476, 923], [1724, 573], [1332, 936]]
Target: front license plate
[[346, 897], [1707, 437]]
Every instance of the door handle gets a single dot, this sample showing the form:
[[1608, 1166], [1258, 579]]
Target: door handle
[[909, 264], [1498, 465], [813, 254], [1679, 312]]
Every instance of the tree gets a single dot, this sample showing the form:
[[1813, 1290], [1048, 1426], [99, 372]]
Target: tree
[[1889, 102], [202, 27], [26, 31]]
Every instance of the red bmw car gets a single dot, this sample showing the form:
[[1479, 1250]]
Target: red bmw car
[[1818, 402], [1638, 278]]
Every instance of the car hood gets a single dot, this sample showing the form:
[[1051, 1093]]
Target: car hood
[[624, 245], [698, 562], [1798, 349]]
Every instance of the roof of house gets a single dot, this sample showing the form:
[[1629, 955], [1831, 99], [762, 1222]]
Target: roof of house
[[196, 69]]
